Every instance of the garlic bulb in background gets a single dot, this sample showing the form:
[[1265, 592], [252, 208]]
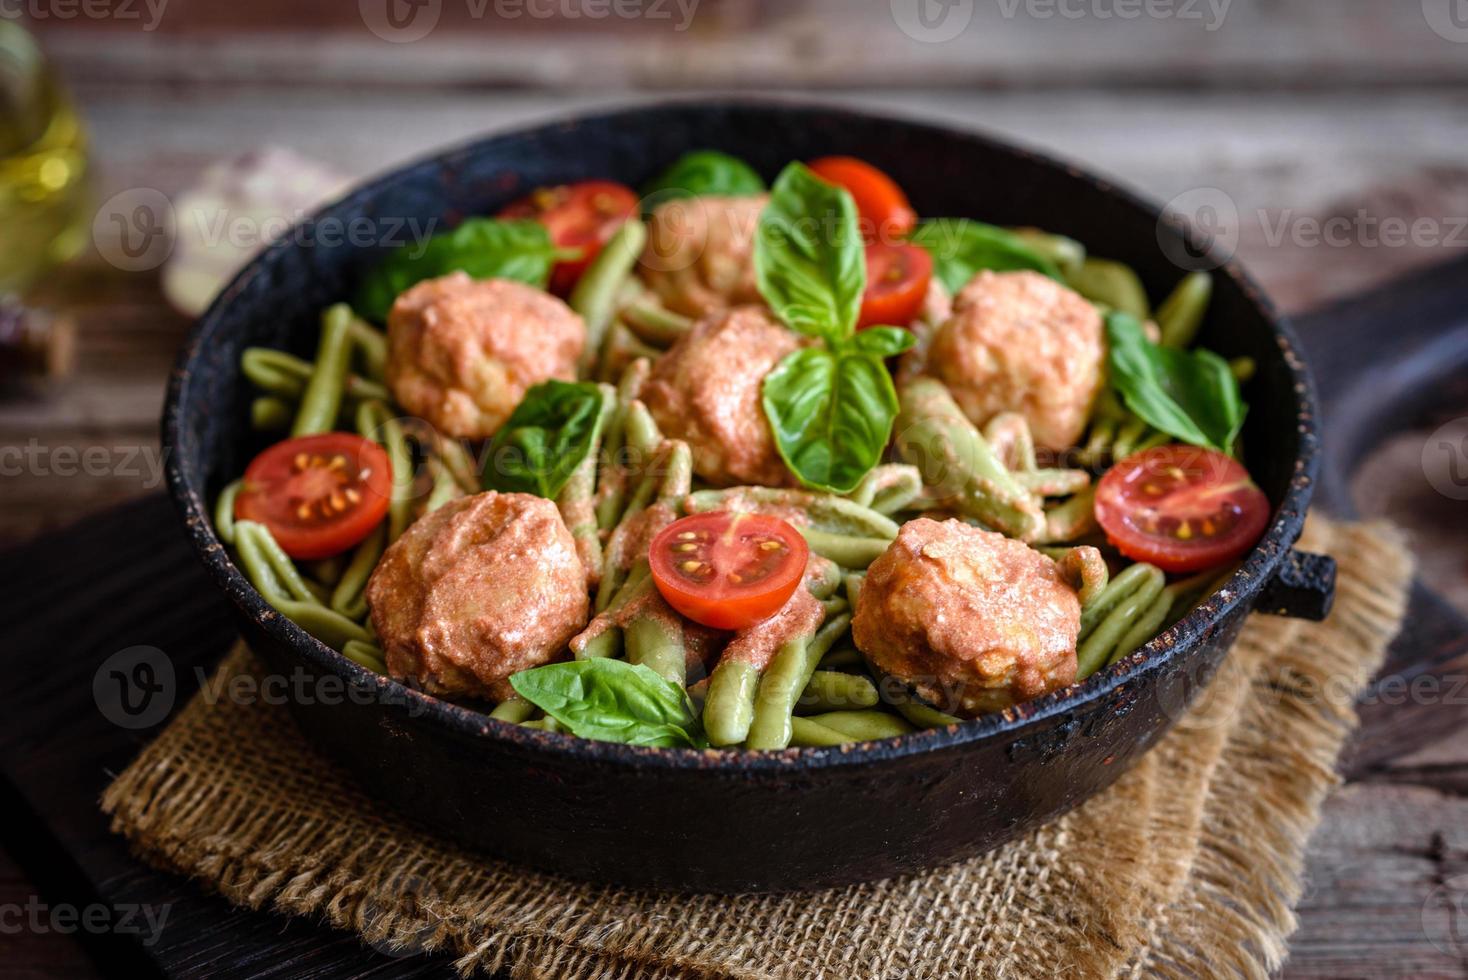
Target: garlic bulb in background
[[237, 208]]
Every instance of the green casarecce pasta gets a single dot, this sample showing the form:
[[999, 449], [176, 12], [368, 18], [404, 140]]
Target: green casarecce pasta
[[818, 689]]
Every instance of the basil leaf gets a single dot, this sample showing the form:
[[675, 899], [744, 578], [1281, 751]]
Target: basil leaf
[[705, 172], [831, 413], [612, 701], [1190, 395], [544, 439], [882, 341], [485, 248], [808, 256], [962, 248]]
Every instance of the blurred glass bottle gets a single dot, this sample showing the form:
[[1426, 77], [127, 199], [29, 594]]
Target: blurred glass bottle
[[43, 165]]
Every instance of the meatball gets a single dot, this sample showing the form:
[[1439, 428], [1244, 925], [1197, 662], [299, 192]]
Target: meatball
[[1022, 342], [462, 352], [973, 620], [706, 391], [477, 590], [700, 253]]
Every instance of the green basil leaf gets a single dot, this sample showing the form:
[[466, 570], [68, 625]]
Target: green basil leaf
[[882, 341], [612, 701], [705, 172], [962, 248], [544, 439], [1190, 395], [808, 256], [485, 248], [831, 413]]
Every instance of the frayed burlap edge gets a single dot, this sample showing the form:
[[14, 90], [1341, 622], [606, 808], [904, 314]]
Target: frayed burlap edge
[[1193, 857]]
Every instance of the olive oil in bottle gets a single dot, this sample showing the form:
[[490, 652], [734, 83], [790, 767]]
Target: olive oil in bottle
[[43, 165]]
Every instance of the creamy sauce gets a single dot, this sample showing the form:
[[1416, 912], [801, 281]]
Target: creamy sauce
[[706, 391], [481, 588], [1020, 341], [462, 353], [973, 620]]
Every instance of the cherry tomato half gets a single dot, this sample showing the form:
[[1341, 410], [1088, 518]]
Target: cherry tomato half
[[320, 494], [1181, 508], [728, 570], [583, 215], [897, 284], [885, 213]]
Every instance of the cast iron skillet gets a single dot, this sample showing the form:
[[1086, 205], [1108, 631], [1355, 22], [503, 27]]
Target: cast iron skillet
[[733, 821]]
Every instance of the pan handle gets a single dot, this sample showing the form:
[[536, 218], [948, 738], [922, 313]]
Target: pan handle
[[1302, 587]]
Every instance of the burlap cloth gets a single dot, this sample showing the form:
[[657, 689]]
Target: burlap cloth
[[1189, 865]]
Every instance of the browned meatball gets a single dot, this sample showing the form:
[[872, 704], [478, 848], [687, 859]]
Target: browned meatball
[[479, 589], [1022, 342], [706, 391], [973, 620], [700, 253], [462, 352]]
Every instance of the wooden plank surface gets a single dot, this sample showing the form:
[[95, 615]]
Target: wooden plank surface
[[674, 44], [1296, 120]]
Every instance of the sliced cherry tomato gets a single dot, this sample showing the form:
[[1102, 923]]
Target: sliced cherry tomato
[[1181, 508], [728, 570], [320, 494], [583, 215], [897, 284], [885, 213]]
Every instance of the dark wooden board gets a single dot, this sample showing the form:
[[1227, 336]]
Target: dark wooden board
[[124, 578]]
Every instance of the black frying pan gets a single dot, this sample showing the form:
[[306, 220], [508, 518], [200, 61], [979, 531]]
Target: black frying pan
[[735, 821]]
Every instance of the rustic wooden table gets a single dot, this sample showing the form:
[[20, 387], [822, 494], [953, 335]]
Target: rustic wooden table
[[1309, 117]]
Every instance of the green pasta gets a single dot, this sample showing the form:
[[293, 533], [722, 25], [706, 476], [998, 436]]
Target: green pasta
[[784, 680], [321, 401], [595, 294]]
